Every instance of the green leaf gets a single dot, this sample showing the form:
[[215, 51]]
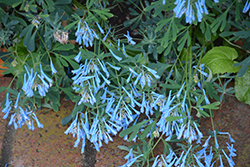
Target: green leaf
[[69, 26], [31, 44], [220, 59], [173, 118], [3, 89], [66, 119], [221, 20], [65, 47], [242, 87], [147, 130], [213, 106], [133, 129], [202, 113], [64, 2], [47, 105]]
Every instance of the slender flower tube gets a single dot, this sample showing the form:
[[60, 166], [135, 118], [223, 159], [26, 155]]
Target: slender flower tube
[[52, 67], [101, 30], [130, 39]]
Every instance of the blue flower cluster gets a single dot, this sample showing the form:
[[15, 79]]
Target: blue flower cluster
[[85, 34], [20, 116], [92, 78], [186, 7], [173, 160], [183, 6], [122, 106], [30, 83], [131, 159]]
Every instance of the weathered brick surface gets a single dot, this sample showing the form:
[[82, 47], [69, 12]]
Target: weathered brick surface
[[4, 81]]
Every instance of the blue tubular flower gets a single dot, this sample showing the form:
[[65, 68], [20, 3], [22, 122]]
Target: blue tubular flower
[[85, 34], [71, 129], [130, 39], [206, 99], [198, 161], [7, 107], [230, 160], [28, 83], [39, 125], [185, 156], [199, 12], [201, 8], [206, 144], [104, 39], [79, 135], [152, 72], [221, 162], [7, 102], [179, 92], [78, 57], [215, 138], [179, 159], [156, 161], [246, 7], [45, 85], [202, 3], [123, 50], [130, 154], [184, 100], [179, 9], [231, 150], [114, 67], [101, 30], [130, 158], [24, 114], [43, 75], [118, 44], [189, 13], [41, 90], [199, 133], [6, 110], [226, 133], [163, 2], [52, 67], [116, 57], [208, 158], [201, 152]]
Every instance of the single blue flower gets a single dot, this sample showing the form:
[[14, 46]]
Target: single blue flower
[[179, 92], [104, 39], [116, 57], [206, 144], [246, 7], [221, 162], [229, 160], [52, 67], [114, 67], [123, 50], [101, 30], [39, 125], [130, 39], [78, 57], [41, 90], [198, 161], [215, 138], [43, 75]]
